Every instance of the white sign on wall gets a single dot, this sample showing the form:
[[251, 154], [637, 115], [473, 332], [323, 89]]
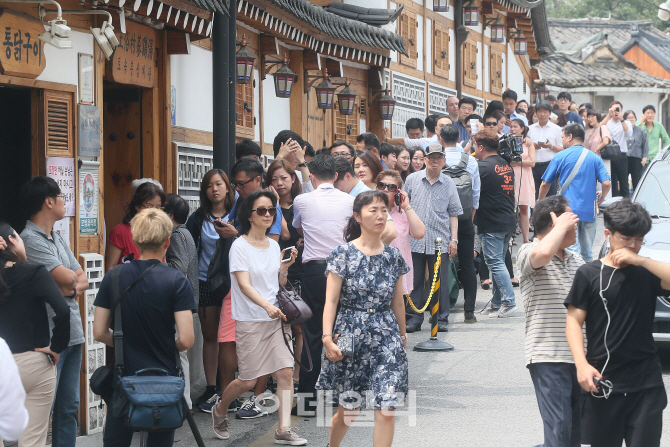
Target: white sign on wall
[[62, 170], [88, 197]]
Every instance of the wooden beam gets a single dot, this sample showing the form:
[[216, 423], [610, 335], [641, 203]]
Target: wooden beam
[[178, 42], [269, 46], [334, 68], [310, 61]]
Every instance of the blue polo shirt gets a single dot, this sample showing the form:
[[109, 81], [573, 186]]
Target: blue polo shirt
[[582, 190]]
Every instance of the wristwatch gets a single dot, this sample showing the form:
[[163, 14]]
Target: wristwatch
[[302, 165], [455, 240]]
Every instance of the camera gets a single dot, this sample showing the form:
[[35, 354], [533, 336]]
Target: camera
[[510, 147]]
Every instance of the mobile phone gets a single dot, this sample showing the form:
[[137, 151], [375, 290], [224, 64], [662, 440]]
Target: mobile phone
[[617, 109], [399, 198], [287, 254], [218, 223]]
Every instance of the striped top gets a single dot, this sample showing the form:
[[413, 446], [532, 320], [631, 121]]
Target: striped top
[[543, 292]]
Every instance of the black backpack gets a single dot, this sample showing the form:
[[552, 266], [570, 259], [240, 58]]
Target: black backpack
[[463, 181]]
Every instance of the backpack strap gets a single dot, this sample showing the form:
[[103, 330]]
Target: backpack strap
[[463, 164]]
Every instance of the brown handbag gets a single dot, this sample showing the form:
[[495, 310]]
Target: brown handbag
[[297, 312]]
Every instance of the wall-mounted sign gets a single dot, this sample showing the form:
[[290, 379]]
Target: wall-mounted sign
[[62, 170], [86, 78], [89, 131], [88, 197], [134, 60], [22, 52]]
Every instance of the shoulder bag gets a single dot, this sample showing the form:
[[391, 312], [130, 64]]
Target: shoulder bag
[[297, 313], [612, 150], [574, 171]]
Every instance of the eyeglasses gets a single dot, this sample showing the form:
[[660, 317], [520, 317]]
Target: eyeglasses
[[390, 186], [265, 211], [241, 185], [628, 241], [491, 124], [344, 155]]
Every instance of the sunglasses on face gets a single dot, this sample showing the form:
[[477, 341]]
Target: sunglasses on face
[[491, 124], [390, 186], [265, 211]]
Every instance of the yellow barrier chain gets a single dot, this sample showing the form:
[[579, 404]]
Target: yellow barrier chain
[[438, 262]]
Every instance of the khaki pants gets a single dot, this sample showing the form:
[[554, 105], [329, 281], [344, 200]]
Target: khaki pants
[[38, 376]]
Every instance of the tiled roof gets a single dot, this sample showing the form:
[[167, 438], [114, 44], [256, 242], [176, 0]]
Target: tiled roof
[[656, 47], [570, 31], [371, 16], [342, 28], [222, 6], [541, 30]]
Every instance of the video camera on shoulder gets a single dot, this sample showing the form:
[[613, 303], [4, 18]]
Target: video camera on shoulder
[[510, 148]]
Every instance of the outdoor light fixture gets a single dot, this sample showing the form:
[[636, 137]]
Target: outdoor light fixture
[[58, 35], [440, 5], [386, 103], [106, 38], [497, 29], [325, 91], [470, 13], [284, 78], [520, 43], [664, 11], [347, 99], [245, 62]]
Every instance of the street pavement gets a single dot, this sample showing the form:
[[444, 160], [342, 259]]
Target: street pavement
[[479, 394]]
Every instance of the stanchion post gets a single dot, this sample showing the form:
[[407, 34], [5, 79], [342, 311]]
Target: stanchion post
[[433, 344]]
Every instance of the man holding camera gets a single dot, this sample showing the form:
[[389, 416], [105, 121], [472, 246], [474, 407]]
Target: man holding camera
[[621, 131], [577, 169], [496, 220]]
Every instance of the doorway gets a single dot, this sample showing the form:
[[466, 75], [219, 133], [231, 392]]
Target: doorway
[[15, 152]]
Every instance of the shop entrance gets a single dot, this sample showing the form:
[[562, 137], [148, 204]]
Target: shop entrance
[[15, 152]]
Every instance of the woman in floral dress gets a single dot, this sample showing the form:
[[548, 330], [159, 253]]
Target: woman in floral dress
[[367, 274]]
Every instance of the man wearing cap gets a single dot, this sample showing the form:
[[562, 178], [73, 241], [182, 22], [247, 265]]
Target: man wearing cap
[[548, 141], [435, 200]]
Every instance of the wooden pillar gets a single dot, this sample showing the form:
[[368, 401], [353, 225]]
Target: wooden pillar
[[298, 98]]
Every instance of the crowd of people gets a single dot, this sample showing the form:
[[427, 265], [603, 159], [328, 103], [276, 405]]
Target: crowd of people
[[353, 230]]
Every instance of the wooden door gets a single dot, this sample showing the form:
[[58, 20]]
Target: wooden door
[[123, 149], [319, 124]]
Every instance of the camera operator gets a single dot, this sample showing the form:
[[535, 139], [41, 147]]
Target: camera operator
[[495, 218]]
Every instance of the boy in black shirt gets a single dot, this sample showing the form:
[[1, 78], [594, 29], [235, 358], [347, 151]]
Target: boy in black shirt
[[616, 297]]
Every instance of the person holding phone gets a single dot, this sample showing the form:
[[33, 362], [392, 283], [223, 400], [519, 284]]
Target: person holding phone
[[405, 218], [621, 131], [547, 139]]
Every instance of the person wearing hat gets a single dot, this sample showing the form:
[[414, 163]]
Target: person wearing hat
[[434, 198], [548, 141]]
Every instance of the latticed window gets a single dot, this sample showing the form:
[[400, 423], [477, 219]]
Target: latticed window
[[347, 126], [441, 50], [496, 72], [470, 63], [407, 29], [244, 109]]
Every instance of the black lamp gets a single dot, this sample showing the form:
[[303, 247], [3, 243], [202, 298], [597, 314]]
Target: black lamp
[[440, 5], [245, 62], [284, 79], [347, 99], [470, 13]]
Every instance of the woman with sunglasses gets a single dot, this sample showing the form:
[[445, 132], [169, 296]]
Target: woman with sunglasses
[[120, 243], [418, 160], [256, 273], [406, 220], [367, 166], [365, 279], [524, 183]]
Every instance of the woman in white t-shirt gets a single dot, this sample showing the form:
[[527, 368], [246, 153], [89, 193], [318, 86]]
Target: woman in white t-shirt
[[256, 273]]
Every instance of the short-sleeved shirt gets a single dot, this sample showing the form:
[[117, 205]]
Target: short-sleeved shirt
[[574, 118], [496, 202], [183, 255], [582, 190], [147, 312], [274, 229], [207, 245], [122, 238], [550, 132], [263, 269], [631, 300], [359, 188], [434, 204], [619, 135], [52, 252], [544, 291]]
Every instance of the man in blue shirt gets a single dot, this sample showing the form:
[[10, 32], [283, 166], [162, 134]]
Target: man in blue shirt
[[582, 190], [509, 100], [466, 107], [564, 101]]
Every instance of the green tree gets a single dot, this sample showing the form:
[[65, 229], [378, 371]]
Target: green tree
[[616, 9]]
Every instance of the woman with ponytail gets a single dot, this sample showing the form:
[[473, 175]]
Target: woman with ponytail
[[367, 274]]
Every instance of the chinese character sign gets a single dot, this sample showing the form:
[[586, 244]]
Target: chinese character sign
[[134, 60], [21, 52], [62, 170], [88, 198]]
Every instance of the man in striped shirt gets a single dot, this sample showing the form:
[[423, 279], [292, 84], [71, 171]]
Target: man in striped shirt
[[547, 269]]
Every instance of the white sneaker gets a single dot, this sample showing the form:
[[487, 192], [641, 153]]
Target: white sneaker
[[505, 311]]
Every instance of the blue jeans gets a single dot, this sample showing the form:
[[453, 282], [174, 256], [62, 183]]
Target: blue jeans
[[66, 403], [586, 233], [494, 246]]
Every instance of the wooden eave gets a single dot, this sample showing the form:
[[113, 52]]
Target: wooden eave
[[184, 24], [274, 21]]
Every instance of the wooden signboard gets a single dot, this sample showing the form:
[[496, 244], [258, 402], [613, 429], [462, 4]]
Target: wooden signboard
[[22, 51], [134, 60]]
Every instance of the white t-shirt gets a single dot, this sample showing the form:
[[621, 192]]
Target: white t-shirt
[[263, 269]]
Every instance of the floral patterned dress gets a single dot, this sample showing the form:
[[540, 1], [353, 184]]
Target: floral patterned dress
[[378, 370]]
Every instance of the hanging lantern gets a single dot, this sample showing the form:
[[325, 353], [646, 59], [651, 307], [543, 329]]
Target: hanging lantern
[[540, 93], [325, 92], [440, 5], [245, 63], [347, 99], [386, 105], [497, 31], [470, 13], [284, 79], [520, 44]]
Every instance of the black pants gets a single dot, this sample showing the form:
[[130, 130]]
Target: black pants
[[118, 435], [558, 397], [635, 417], [314, 294], [619, 167], [466, 263], [635, 169], [422, 287], [538, 172]]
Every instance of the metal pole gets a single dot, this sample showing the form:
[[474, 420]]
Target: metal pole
[[232, 81], [433, 344], [461, 36], [220, 91]]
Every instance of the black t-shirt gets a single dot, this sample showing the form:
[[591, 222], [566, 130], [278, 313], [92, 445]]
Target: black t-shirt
[[295, 271], [496, 200], [631, 300], [148, 313], [24, 323]]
